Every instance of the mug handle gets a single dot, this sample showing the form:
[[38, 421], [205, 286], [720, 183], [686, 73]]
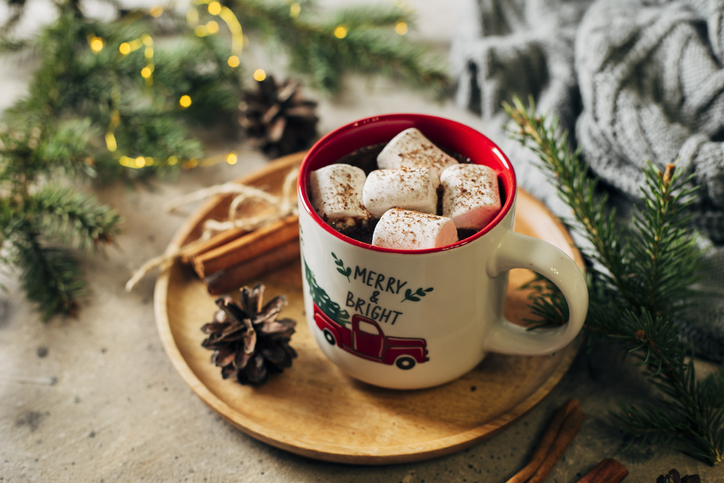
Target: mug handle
[[521, 251]]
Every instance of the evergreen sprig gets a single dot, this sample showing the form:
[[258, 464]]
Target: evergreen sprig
[[92, 113], [367, 42], [73, 218], [51, 276], [640, 274]]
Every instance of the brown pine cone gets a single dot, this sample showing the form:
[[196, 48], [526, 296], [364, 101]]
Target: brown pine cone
[[673, 476], [247, 339], [277, 118]]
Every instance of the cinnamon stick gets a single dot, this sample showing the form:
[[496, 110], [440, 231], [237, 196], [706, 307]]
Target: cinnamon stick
[[247, 247], [550, 434], [235, 276], [569, 429], [189, 255], [607, 471]]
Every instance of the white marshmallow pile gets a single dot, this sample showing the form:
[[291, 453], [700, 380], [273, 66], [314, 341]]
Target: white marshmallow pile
[[403, 194], [337, 194], [412, 230]]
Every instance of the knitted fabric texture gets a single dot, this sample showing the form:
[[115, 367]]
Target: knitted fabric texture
[[635, 81]]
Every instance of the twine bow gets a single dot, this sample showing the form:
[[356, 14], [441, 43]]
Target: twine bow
[[283, 206]]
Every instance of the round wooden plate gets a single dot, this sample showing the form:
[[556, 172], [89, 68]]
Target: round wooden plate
[[314, 410]]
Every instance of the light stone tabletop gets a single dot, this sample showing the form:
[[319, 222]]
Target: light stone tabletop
[[95, 398]]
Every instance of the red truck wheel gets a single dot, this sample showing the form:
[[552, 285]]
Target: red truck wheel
[[330, 337], [405, 362]]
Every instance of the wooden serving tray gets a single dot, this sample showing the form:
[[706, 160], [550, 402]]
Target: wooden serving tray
[[314, 410]]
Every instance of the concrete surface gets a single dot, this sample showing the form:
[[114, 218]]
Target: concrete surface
[[96, 399]]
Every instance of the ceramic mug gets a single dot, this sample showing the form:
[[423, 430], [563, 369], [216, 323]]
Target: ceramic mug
[[409, 319]]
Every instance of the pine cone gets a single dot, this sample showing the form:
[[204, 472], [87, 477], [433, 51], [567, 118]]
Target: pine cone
[[248, 341], [673, 476], [277, 118]]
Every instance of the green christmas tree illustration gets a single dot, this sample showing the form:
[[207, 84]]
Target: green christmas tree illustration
[[321, 298]]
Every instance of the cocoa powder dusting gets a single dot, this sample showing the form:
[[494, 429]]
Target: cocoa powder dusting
[[365, 158]]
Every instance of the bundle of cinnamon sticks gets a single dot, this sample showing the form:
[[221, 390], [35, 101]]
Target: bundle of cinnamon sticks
[[233, 257], [230, 258]]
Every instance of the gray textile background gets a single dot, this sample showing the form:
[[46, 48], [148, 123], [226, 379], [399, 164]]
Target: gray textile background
[[634, 80]]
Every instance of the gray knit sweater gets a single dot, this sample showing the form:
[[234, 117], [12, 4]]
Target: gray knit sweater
[[635, 80]]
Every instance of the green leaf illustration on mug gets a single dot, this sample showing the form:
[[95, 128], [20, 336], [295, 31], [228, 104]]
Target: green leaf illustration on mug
[[415, 297], [340, 267]]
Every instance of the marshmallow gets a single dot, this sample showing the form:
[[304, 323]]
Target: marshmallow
[[471, 198], [337, 194], [412, 148], [408, 188], [410, 230]]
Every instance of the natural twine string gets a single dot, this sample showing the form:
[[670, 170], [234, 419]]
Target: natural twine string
[[283, 205]]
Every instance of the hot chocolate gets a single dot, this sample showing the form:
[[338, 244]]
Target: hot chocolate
[[415, 176], [366, 159]]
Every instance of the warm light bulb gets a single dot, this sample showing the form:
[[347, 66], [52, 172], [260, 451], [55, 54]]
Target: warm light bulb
[[212, 27], [146, 72], [340, 32], [156, 11], [140, 162], [259, 75], [401, 28], [96, 44], [231, 158], [111, 144], [233, 61], [214, 8], [124, 48], [294, 10], [172, 160], [185, 101]]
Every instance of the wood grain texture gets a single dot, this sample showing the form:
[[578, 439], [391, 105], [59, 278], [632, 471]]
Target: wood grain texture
[[314, 410]]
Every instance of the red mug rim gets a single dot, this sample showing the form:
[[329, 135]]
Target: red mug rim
[[378, 129]]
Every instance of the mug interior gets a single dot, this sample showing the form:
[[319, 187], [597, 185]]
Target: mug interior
[[445, 133]]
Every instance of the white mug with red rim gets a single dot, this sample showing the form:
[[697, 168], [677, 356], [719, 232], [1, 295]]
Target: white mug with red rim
[[410, 319]]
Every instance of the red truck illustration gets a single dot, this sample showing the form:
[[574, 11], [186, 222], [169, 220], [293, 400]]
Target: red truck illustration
[[367, 340]]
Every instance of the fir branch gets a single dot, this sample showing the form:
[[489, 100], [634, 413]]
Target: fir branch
[[546, 302], [369, 17], [692, 417], [51, 276], [652, 340], [65, 146], [74, 219], [104, 103], [664, 257], [638, 283], [593, 219], [368, 44], [104, 88]]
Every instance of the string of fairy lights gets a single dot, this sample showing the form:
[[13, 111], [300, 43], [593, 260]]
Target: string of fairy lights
[[211, 27]]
